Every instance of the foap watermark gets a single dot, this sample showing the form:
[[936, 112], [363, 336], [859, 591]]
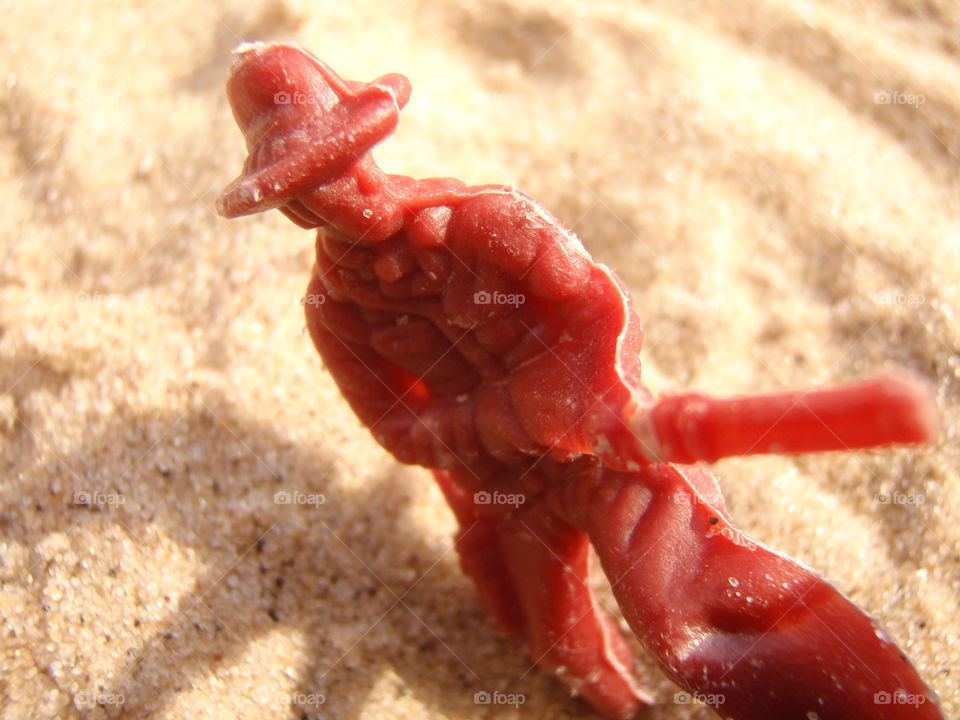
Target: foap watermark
[[484, 697], [303, 699], [897, 297], [499, 98], [698, 698], [298, 498], [696, 299], [702, 96], [498, 298], [98, 698], [899, 498], [285, 97], [682, 497], [99, 298], [99, 99], [894, 97], [898, 697], [498, 498], [95, 498], [311, 299]]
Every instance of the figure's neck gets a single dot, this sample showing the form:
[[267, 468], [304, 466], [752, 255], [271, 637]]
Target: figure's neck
[[363, 203]]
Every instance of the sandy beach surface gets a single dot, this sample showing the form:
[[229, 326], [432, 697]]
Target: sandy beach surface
[[775, 181]]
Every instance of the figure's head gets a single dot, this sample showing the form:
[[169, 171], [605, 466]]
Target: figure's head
[[284, 100], [263, 77]]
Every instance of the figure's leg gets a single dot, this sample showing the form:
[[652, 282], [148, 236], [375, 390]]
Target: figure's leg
[[749, 631], [569, 634], [532, 574], [480, 558], [885, 410]]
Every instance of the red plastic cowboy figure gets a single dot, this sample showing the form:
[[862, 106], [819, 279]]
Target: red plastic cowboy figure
[[475, 336]]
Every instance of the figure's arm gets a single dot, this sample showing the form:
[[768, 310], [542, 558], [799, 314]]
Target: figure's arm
[[580, 388], [399, 406], [884, 410]]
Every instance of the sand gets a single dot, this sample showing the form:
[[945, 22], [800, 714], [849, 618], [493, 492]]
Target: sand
[[776, 182]]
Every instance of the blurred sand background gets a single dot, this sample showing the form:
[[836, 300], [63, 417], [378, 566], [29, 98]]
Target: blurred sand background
[[776, 181]]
